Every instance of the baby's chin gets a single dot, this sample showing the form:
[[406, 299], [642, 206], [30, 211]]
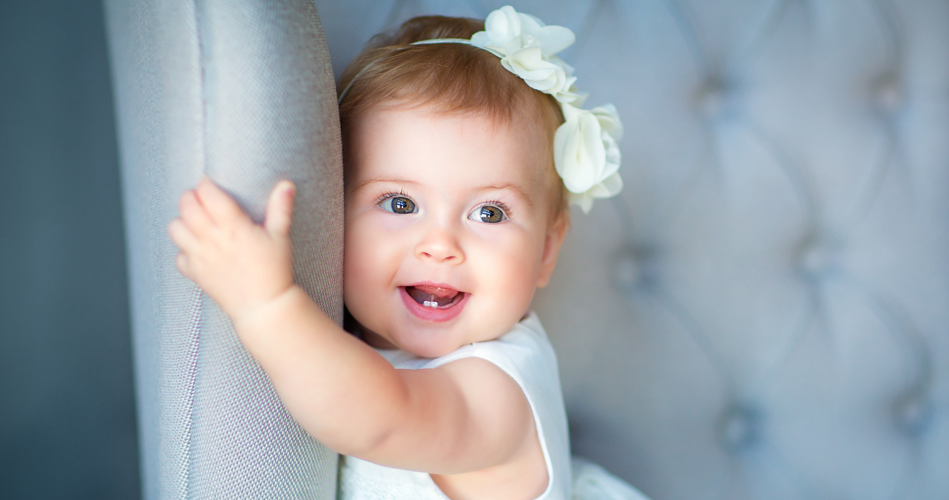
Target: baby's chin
[[422, 342], [428, 343]]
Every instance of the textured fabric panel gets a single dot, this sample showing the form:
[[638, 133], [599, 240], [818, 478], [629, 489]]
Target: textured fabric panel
[[243, 92]]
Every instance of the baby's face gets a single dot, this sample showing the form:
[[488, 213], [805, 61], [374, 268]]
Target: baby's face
[[447, 227]]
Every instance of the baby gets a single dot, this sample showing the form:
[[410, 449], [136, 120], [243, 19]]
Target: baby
[[458, 173]]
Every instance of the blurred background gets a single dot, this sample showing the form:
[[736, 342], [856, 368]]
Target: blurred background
[[763, 312], [67, 408]]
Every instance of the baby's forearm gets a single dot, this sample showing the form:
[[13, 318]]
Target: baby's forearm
[[338, 388]]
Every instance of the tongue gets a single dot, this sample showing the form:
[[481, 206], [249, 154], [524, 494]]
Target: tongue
[[432, 296], [437, 291]]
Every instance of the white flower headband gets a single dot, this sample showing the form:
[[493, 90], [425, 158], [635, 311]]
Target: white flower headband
[[586, 155]]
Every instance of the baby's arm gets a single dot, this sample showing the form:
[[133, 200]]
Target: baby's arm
[[465, 416]]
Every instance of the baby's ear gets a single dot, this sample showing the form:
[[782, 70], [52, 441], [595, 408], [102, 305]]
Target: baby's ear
[[548, 260]]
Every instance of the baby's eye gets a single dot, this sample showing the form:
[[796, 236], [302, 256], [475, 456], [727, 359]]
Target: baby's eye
[[488, 213], [398, 205]]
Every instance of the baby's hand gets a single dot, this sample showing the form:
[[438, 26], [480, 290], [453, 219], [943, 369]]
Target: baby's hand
[[239, 264]]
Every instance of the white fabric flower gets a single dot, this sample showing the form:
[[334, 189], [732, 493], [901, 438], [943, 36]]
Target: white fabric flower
[[507, 31], [611, 186], [501, 27], [552, 39], [584, 153], [527, 47], [609, 120], [540, 74]]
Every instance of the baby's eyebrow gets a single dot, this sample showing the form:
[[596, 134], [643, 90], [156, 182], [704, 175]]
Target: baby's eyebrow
[[520, 192], [395, 180]]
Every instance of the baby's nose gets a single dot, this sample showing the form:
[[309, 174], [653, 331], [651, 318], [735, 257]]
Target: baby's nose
[[440, 246]]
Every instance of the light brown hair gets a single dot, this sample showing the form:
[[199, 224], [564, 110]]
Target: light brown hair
[[450, 78]]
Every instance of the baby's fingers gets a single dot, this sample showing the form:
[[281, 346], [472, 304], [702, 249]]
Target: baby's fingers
[[193, 214], [184, 265], [219, 205], [181, 236], [280, 209]]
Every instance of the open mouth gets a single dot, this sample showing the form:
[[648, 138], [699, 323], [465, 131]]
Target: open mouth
[[434, 296], [430, 302]]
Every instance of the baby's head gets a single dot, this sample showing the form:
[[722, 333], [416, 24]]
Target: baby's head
[[455, 211], [449, 79]]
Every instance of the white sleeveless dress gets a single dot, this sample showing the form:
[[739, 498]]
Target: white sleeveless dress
[[525, 354]]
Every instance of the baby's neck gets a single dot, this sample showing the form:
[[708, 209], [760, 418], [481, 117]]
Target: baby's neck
[[374, 339]]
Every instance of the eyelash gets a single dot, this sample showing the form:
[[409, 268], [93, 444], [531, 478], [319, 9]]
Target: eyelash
[[391, 194], [407, 202], [497, 203]]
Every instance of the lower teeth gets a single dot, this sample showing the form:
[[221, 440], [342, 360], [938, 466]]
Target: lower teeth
[[433, 302], [430, 299]]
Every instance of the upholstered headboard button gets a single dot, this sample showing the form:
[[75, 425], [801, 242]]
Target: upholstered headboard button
[[740, 427], [714, 98], [914, 413]]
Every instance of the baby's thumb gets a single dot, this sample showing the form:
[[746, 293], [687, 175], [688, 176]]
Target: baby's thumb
[[280, 209]]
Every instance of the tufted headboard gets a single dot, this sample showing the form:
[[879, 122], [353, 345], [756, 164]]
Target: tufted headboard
[[763, 313]]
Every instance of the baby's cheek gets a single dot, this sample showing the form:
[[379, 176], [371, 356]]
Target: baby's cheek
[[517, 272], [370, 260], [357, 261]]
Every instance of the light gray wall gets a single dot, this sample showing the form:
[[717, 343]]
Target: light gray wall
[[67, 417]]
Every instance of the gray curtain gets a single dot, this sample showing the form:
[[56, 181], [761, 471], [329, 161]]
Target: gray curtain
[[242, 92]]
